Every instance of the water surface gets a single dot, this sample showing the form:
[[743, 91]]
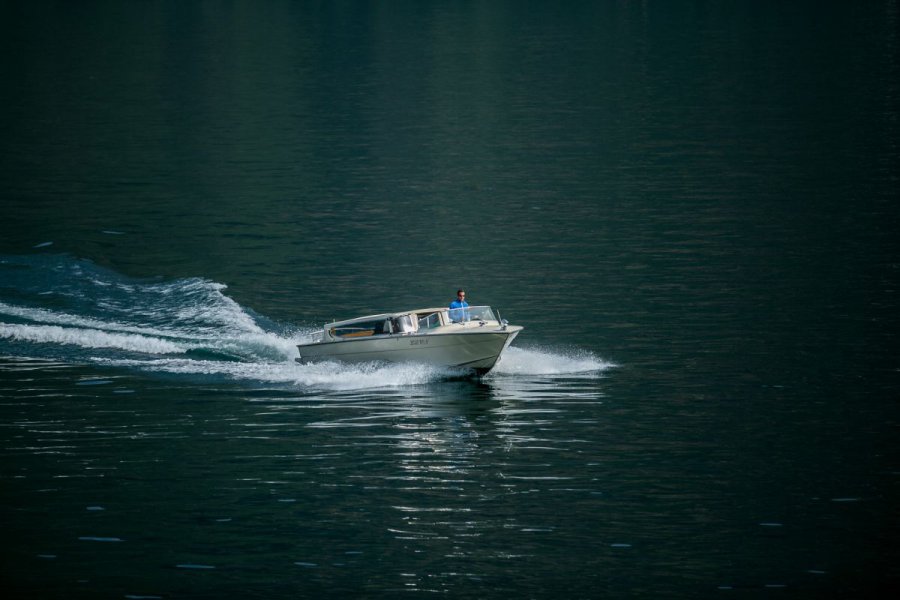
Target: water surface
[[691, 207]]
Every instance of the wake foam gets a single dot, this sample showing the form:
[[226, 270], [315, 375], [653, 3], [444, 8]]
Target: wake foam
[[325, 375], [72, 311], [373, 375], [531, 361], [52, 334], [49, 327]]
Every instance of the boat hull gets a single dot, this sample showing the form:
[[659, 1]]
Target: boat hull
[[478, 350]]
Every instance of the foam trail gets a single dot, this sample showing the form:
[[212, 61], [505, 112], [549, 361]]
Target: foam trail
[[40, 315], [530, 361], [325, 375], [88, 338], [58, 327]]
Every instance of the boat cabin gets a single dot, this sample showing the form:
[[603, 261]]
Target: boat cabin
[[419, 321]]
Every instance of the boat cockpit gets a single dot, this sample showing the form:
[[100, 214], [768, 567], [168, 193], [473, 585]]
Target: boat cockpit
[[420, 321]]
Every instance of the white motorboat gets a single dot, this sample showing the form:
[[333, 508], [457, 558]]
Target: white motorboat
[[473, 337]]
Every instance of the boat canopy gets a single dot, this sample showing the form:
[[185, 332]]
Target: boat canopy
[[405, 322]]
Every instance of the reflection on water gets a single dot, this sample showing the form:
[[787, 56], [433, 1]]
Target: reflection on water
[[440, 486], [421, 475]]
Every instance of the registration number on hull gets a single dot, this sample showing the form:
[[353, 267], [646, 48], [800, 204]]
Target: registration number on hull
[[419, 342]]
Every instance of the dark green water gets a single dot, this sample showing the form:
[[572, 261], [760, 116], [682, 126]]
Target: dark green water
[[690, 206]]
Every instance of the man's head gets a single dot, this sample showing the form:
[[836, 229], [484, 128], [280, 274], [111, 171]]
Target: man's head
[[460, 295]]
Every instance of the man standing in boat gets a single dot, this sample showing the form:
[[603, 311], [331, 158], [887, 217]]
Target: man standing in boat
[[458, 306]]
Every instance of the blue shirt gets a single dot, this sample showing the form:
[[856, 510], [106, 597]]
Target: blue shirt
[[456, 312]]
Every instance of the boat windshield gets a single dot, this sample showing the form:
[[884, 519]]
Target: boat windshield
[[472, 313]]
